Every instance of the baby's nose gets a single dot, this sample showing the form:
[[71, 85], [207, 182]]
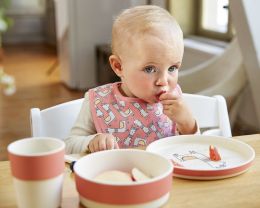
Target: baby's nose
[[162, 80]]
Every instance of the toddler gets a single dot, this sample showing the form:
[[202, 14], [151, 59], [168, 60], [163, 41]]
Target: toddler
[[147, 104]]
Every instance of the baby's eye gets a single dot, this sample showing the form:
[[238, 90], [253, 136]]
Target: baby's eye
[[150, 69], [173, 69]]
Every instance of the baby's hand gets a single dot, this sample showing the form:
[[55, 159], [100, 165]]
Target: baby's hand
[[176, 109], [102, 142]]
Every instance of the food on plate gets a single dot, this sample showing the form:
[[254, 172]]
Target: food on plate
[[115, 176], [214, 154], [138, 175]]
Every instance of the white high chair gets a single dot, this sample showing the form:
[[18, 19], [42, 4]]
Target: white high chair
[[55, 121], [210, 112]]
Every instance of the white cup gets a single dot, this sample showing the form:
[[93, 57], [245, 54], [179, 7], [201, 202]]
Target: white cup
[[37, 166]]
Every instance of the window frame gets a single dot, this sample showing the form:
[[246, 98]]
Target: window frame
[[227, 36]]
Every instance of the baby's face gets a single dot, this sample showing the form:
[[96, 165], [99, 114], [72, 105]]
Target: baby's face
[[150, 65]]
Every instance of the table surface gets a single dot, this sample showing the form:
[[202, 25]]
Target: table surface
[[237, 192]]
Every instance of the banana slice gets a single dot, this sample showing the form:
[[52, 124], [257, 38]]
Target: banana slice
[[114, 176], [138, 175]]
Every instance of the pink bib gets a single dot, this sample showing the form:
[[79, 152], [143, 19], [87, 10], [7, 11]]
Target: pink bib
[[131, 120]]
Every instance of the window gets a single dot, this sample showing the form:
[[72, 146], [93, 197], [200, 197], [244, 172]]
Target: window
[[214, 19]]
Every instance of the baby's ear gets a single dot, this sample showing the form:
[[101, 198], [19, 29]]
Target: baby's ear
[[115, 64]]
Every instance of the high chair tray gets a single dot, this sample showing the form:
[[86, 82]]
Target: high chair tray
[[191, 158]]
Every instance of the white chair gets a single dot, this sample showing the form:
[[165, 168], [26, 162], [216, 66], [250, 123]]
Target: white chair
[[55, 121], [210, 112]]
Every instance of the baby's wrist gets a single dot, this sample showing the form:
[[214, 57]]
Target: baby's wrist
[[189, 127]]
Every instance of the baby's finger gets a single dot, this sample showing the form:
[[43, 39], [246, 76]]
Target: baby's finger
[[95, 145], [102, 144], [110, 142], [166, 107], [167, 102], [166, 110], [91, 146], [170, 95]]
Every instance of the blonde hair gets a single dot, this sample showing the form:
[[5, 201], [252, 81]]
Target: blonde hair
[[138, 20]]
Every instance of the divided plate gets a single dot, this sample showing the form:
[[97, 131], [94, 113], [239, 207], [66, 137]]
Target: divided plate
[[190, 156]]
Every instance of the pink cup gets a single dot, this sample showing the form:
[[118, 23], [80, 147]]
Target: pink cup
[[37, 166]]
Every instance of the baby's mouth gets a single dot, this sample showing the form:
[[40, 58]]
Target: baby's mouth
[[160, 93]]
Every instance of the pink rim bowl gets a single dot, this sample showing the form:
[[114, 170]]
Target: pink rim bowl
[[151, 193]]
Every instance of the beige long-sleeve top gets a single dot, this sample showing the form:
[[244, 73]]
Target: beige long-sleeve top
[[83, 130]]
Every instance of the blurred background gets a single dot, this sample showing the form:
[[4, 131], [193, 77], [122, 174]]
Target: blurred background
[[52, 51]]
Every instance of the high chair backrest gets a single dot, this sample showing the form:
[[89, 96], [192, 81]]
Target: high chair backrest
[[55, 121], [210, 112]]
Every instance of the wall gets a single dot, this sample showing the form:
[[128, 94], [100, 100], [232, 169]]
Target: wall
[[245, 16], [184, 12], [196, 52]]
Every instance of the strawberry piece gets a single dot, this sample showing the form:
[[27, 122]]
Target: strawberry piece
[[213, 153]]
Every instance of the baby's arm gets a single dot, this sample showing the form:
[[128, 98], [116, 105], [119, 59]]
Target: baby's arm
[[83, 134], [176, 109]]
